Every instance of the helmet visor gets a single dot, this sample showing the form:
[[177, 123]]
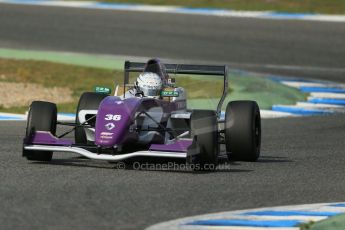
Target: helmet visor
[[150, 92]]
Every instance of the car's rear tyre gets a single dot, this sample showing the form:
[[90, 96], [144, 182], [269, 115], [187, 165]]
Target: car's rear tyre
[[42, 117], [243, 130], [87, 101], [204, 131]]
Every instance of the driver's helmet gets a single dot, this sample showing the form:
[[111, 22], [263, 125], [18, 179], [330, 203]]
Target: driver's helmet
[[150, 84]]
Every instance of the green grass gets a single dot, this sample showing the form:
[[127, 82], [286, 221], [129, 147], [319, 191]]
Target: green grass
[[249, 87], [306, 226], [333, 223], [80, 59], [294, 6], [203, 92]]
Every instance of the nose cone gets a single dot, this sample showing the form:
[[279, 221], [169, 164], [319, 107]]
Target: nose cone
[[113, 119]]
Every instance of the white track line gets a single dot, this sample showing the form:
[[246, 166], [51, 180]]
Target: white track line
[[309, 105], [275, 114], [22, 117], [328, 95], [245, 215], [298, 84]]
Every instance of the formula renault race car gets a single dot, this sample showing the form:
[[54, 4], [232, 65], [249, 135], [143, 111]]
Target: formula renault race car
[[137, 123]]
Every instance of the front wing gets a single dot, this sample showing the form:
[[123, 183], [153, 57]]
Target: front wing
[[45, 141]]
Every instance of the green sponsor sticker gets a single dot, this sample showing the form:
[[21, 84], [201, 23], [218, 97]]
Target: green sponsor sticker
[[100, 89], [169, 94]]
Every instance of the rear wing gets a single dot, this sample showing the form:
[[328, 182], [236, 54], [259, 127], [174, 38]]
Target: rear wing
[[216, 70]]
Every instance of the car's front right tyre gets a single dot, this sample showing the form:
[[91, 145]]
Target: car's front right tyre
[[42, 116]]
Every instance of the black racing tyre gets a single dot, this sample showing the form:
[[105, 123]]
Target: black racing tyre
[[204, 131], [42, 117], [243, 130], [89, 101]]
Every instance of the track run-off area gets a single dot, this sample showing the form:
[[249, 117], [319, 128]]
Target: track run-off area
[[302, 157]]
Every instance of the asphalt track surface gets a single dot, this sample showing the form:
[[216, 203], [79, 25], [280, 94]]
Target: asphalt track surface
[[294, 48], [302, 158], [302, 162]]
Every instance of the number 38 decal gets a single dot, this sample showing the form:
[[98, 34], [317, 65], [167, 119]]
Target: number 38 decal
[[112, 117]]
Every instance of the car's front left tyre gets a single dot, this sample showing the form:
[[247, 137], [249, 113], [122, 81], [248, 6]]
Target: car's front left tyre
[[87, 101], [243, 130]]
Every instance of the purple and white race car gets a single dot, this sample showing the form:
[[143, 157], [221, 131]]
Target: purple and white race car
[[149, 119]]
